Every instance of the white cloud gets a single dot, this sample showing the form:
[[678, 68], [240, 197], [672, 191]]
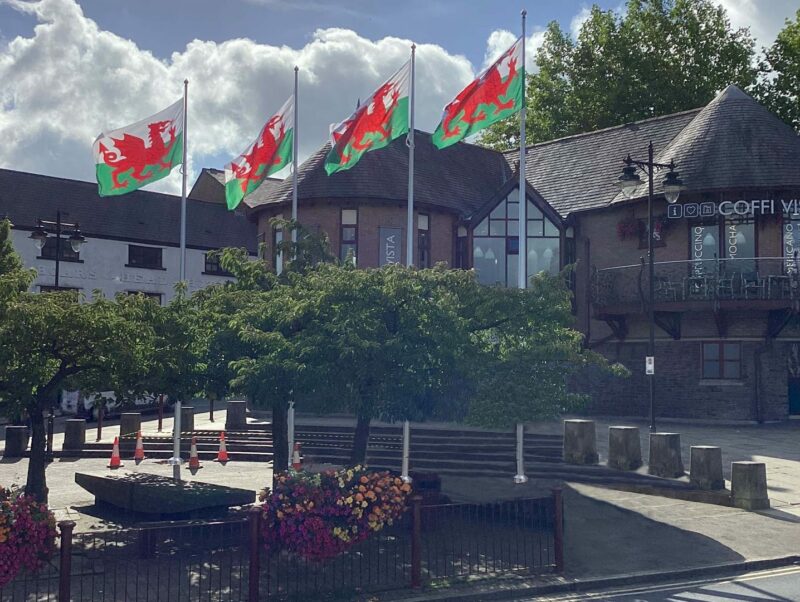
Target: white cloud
[[70, 80], [764, 22], [578, 20], [501, 39]]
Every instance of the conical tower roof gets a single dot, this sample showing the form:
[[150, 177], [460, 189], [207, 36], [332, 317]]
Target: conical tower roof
[[733, 143]]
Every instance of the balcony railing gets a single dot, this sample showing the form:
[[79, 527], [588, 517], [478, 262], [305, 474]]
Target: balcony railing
[[700, 280]]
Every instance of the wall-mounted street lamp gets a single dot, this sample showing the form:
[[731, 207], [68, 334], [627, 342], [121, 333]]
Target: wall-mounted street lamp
[[672, 186]]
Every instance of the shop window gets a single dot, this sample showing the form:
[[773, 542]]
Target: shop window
[[277, 254], [495, 243], [145, 257], [423, 241], [262, 245], [348, 235], [55, 289], [726, 243], [65, 251], [212, 265], [722, 360], [791, 242], [462, 248]]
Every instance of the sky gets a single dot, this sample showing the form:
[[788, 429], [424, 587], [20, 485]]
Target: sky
[[70, 69]]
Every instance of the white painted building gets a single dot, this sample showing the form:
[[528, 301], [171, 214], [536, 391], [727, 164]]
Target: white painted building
[[132, 241]]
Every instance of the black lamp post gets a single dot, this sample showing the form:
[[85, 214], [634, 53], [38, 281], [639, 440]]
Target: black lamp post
[[76, 239], [628, 182]]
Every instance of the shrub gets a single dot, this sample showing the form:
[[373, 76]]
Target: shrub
[[27, 534], [319, 516]]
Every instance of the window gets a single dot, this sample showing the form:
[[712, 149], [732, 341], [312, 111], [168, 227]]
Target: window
[[722, 360], [277, 253], [65, 250], [155, 296], [212, 265], [495, 243], [348, 235], [728, 243], [703, 246], [144, 257], [462, 261], [424, 240], [52, 289], [791, 242]]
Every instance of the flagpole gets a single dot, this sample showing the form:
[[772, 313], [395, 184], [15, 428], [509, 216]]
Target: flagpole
[[522, 279], [295, 144], [409, 245], [410, 143], [184, 170]]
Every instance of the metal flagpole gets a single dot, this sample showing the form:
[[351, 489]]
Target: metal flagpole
[[176, 420], [184, 170], [409, 241], [295, 142], [522, 277], [410, 143]]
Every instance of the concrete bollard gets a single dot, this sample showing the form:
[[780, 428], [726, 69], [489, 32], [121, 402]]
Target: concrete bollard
[[236, 416], [130, 423], [624, 447], [187, 419], [16, 441], [74, 434], [580, 442], [665, 455], [749, 485], [706, 467]]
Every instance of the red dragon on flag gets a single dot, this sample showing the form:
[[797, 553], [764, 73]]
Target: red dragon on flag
[[492, 96]]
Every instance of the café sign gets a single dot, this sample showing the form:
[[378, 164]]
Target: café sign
[[733, 208]]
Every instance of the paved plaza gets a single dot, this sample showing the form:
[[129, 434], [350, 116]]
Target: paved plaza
[[607, 531]]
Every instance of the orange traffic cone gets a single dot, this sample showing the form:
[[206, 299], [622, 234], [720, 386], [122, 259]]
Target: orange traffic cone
[[297, 463], [116, 461], [194, 459], [138, 453], [222, 455]]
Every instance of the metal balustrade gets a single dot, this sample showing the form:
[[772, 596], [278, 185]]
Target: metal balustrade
[[698, 280]]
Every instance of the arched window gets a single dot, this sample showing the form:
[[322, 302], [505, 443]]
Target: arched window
[[495, 243]]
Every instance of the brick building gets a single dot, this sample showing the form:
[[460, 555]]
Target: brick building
[[727, 286]]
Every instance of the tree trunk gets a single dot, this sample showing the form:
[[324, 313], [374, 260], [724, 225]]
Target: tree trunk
[[360, 440], [280, 436], [36, 484]]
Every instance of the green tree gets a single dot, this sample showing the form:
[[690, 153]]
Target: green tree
[[779, 84], [52, 342], [14, 278], [526, 350], [656, 57]]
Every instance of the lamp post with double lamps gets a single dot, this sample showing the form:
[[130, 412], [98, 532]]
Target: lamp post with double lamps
[[672, 186], [76, 240]]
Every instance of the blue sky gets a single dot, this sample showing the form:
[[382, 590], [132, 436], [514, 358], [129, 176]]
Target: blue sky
[[73, 68]]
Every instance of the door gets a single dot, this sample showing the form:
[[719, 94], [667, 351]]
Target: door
[[794, 396]]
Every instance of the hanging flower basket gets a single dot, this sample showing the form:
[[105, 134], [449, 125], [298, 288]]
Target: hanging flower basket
[[628, 228], [27, 534], [319, 516]]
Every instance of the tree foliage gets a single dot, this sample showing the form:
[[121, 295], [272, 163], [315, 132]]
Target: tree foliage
[[779, 85], [654, 58]]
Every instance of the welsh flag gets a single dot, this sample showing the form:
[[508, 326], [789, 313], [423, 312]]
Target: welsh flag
[[494, 95], [270, 152], [375, 123], [135, 155]]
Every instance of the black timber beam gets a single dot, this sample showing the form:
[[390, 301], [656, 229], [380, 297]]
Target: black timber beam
[[669, 322]]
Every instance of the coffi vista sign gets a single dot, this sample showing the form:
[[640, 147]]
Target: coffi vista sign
[[734, 208]]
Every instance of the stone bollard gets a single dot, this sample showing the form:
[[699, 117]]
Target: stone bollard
[[187, 419], [16, 441], [74, 434], [749, 485], [580, 443], [130, 423], [624, 448], [236, 416], [665, 455], [706, 467]]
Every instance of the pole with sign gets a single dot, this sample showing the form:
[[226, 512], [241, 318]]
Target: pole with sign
[[650, 365]]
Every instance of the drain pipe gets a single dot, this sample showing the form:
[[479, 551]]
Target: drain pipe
[[757, 384], [290, 429], [520, 477], [406, 447]]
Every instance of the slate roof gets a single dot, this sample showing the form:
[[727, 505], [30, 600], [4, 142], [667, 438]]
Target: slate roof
[[579, 172], [461, 177], [143, 216], [210, 186]]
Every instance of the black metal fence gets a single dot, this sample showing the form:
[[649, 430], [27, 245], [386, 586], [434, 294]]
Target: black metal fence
[[224, 560]]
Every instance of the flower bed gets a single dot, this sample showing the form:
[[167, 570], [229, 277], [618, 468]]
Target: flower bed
[[319, 516], [27, 534]]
